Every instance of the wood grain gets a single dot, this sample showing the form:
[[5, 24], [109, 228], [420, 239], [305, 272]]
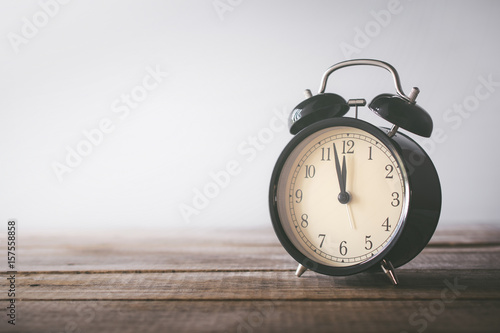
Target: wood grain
[[234, 281], [414, 284], [259, 316], [256, 249]]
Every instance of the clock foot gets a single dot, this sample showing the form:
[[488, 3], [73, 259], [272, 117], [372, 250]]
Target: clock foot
[[300, 270], [388, 269]]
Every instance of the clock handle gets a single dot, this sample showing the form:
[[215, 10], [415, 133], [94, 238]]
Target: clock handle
[[368, 62]]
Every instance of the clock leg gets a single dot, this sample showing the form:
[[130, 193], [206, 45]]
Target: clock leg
[[300, 270], [388, 269]]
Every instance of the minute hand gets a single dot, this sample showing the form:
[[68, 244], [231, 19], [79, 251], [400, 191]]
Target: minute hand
[[344, 175]]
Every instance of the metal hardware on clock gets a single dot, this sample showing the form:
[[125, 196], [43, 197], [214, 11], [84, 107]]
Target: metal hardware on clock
[[347, 196]]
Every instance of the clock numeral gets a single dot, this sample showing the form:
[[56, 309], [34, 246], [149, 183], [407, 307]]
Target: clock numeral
[[389, 168], [310, 171], [343, 248], [368, 243], [395, 199], [321, 235], [370, 153], [349, 145], [325, 154], [304, 222], [298, 195], [386, 224]]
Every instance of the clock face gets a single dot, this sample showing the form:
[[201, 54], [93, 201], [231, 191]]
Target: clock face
[[342, 194]]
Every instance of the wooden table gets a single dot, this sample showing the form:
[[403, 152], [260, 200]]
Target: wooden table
[[243, 281]]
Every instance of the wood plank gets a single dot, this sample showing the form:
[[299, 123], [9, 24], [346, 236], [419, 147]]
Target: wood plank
[[258, 316], [414, 284], [229, 259], [222, 281], [452, 235], [225, 250]]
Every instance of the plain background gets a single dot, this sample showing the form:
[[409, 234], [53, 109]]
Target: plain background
[[232, 67]]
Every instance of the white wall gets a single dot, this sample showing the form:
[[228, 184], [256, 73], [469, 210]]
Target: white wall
[[232, 67]]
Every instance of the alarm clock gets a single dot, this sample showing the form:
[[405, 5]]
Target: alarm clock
[[347, 196]]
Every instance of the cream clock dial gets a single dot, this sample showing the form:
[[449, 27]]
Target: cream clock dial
[[343, 196]]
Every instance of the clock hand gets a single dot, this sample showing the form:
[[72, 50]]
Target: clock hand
[[339, 172], [349, 215], [343, 197], [347, 206], [344, 174]]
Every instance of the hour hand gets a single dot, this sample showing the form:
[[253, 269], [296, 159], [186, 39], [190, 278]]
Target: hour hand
[[339, 171], [341, 176]]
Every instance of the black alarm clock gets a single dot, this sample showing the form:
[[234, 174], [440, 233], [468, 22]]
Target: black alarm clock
[[347, 196]]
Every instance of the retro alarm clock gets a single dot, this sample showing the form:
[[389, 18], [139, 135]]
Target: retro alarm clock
[[349, 197]]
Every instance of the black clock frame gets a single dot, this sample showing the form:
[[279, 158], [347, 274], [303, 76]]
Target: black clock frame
[[422, 213]]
